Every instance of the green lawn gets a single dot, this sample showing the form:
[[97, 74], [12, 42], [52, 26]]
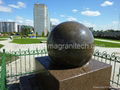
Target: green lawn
[[108, 39], [4, 36], [16, 37], [29, 40], [107, 44], [2, 39], [9, 58], [1, 45], [26, 41], [43, 38], [38, 40]]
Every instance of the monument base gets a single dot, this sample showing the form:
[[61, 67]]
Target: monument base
[[94, 76]]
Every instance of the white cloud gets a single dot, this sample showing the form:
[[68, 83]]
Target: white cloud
[[101, 27], [75, 10], [70, 18], [107, 3], [10, 20], [23, 21], [1, 2], [19, 19], [90, 13], [115, 22], [107, 26], [29, 22], [55, 21], [19, 5], [88, 24], [87, 8], [13, 6], [5, 9], [113, 25], [62, 16]]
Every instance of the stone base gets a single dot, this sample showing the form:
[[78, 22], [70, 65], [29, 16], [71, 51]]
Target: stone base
[[94, 76]]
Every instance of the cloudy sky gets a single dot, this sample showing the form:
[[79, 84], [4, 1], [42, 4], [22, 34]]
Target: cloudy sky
[[100, 14]]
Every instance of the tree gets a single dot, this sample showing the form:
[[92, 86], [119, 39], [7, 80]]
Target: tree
[[36, 34], [25, 30], [47, 34], [42, 34]]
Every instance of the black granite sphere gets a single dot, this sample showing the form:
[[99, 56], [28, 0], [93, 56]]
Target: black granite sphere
[[70, 44]]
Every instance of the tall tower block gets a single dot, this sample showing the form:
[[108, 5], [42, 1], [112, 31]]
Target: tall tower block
[[41, 19]]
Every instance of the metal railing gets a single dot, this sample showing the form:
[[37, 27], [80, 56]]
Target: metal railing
[[113, 60], [20, 63], [3, 72]]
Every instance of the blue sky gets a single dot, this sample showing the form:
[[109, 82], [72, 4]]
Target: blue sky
[[100, 14]]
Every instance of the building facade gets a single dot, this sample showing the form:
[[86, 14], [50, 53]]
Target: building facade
[[19, 27], [8, 27], [41, 19]]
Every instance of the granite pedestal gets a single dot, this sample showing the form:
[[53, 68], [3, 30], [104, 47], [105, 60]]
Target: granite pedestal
[[94, 76]]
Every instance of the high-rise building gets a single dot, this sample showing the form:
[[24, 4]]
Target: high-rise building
[[8, 27], [41, 19]]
